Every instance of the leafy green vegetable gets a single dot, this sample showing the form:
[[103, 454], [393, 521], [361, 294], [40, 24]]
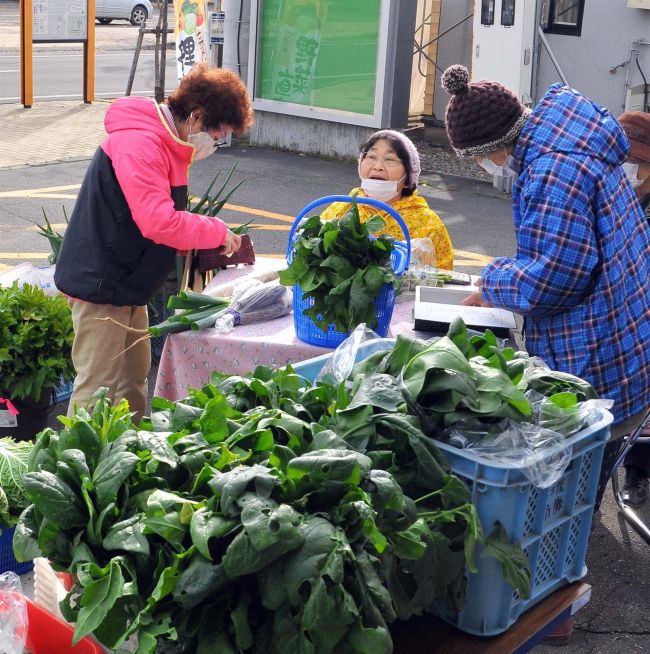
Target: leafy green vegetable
[[35, 341], [512, 558], [341, 269], [266, 514], [13, 465]]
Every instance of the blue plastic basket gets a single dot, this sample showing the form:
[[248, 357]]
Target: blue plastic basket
[[552, 524], [62, 391], [306, 329], [8, 562], [158, 312]]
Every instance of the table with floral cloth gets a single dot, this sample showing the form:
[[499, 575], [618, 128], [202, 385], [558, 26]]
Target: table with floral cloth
[[188, 358]]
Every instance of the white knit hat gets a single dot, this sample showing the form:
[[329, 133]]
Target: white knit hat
[[413, 168]]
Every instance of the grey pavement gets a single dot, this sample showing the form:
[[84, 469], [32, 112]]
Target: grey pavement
[[616, 619]]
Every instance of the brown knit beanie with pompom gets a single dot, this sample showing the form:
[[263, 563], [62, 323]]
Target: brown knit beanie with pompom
[[481, 117]]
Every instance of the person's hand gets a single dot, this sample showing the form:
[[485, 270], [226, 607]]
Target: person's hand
[[475, 299], [231, 244]]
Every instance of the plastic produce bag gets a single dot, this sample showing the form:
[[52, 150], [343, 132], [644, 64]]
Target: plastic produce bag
[[13, 614], [421, 270], [254, 301], [340, 363], [27, 273], [563, 413], [541, 454]]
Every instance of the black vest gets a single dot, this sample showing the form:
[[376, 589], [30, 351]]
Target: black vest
[[104, 258]]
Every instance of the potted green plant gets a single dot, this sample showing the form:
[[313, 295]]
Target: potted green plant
[[35, 354]]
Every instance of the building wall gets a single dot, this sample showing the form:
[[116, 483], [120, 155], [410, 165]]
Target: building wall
[[306, 135], [339, 139], [608, 29], [453, 48]]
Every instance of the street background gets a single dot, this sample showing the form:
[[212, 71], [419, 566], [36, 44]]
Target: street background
[[44, 152]]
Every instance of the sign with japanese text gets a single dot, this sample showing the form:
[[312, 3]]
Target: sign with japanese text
[[321, 53], [190, 33], [217, 20], [60, 20]]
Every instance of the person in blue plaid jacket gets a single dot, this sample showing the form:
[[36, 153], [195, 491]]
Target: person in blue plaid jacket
[[580, 277]]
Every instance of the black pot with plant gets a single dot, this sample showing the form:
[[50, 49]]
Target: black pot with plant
[[35, 354]]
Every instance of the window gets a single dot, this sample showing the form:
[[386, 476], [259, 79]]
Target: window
[[508, 13], [487, 12], [564, 16]]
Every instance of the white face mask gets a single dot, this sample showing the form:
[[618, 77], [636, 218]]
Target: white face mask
[[203, 143], [379, 189], [490, 167], [509, 168], [632, 172]]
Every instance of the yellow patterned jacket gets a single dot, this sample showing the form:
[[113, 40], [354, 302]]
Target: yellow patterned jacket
[[421, 221]]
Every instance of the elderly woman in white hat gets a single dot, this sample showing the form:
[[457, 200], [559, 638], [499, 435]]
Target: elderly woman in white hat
[[389, 168]]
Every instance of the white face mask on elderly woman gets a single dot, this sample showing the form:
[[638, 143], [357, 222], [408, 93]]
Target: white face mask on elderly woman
[[203, 143], [631, 170], [380, 189]]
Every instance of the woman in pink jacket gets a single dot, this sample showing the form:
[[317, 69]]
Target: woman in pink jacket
[[129, 220]]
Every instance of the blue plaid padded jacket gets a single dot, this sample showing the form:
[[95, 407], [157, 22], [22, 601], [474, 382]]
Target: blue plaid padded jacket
[[581, 276]]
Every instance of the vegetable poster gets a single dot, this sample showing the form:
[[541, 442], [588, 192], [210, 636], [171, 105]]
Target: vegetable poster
[[295, 57], [190, 33]]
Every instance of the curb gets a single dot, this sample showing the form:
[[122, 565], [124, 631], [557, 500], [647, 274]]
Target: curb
[[50, 162]]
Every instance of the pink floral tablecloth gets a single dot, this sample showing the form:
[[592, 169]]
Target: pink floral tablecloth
[[189, 358]]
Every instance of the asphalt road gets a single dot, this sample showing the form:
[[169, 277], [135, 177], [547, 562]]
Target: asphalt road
[[59, 75], [276, 186]]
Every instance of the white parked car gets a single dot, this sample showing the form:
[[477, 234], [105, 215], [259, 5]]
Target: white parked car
[[136, 11]]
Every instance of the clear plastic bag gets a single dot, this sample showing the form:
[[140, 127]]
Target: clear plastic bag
[[13, 614], [340, 363], [254, 301], [421, 270], [28, 273], [562, 412], [541, 454]]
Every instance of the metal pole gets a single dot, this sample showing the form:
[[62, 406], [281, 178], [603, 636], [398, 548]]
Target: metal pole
[[543, 39], [156, 64], [163, 53]]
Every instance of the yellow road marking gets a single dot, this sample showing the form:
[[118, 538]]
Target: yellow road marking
[[255, 227], [24, 255], [465, 258], [45, 192], [462, 258]]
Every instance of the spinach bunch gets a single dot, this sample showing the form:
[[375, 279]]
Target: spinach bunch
[[341, 269], [260, 514], [473, 381]]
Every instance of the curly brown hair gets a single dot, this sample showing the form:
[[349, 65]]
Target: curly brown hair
[[218, 92]]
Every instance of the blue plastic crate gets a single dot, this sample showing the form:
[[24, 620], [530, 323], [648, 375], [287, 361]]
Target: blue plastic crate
[[62, 391], [552, 524], [8, 562]]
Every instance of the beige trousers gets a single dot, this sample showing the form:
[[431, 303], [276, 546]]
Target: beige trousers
[[99, 357]]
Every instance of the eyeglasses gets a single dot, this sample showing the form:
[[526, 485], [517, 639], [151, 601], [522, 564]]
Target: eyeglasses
[[388, 160]]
